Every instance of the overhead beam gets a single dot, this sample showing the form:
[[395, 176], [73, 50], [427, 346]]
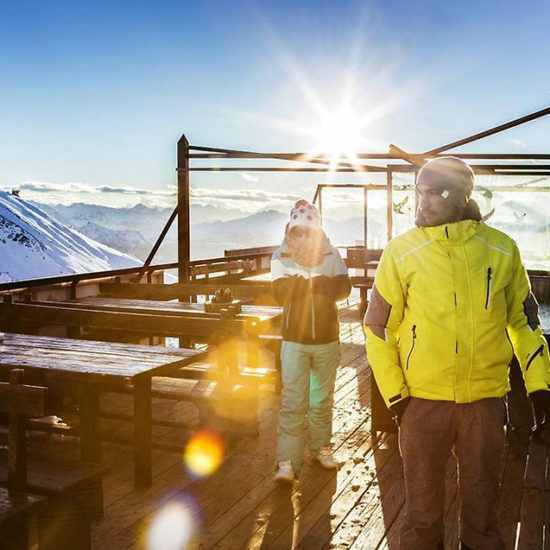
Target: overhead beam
[[490, 132]]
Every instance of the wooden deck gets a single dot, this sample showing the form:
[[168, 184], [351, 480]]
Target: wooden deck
[[239, 506]]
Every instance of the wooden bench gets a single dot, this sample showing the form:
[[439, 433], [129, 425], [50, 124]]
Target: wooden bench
[[16, 505], [73, 489], [209, 386], [16, 508], [273, 342]]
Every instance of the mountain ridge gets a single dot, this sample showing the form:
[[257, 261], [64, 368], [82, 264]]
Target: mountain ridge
[[34, 245]]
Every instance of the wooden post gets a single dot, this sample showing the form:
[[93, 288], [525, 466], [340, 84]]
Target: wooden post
[[365, 218], [414, 191], [90, 429], [389, 195], [184, 242], [17, 451], [142, 432], [253, 350]]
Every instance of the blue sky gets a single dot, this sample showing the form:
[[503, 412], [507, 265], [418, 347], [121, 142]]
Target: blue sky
[[96, 94]]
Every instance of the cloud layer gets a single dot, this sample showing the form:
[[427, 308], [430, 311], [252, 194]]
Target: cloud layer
[[248, 200]]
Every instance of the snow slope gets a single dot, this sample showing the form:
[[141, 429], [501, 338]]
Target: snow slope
[[35, 245]]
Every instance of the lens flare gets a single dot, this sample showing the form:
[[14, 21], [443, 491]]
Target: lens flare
[[204, 452], [171, 528]]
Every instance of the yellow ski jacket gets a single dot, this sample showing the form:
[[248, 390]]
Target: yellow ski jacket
[[449, 306]]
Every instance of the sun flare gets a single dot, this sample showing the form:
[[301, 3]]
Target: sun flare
[[339, 136]]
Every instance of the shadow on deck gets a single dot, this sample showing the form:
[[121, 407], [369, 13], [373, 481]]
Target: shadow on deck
[[239, 506]]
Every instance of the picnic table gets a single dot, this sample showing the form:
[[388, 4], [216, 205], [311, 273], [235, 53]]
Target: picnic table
[[253, 322], [89, 367], [147, 317], [260, 316]]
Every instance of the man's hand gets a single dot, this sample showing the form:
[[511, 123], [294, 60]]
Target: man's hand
[[541, 409], [398, 410]]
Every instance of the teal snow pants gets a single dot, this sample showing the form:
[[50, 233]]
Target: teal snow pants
[[308, 373]]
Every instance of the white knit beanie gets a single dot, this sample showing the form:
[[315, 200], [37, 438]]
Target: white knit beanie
[[304, 214]]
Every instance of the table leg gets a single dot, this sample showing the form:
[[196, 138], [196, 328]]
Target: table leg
[[90, 429], [14, 533], [142, 432], [253, 351], [227, 352]]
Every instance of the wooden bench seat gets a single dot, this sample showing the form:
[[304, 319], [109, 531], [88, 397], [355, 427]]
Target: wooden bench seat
[[78, 481], [211, 371], [74, 490], [15, 510], [224, 404]]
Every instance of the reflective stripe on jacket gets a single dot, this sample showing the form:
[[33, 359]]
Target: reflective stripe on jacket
[[449, 306], [309, 295]]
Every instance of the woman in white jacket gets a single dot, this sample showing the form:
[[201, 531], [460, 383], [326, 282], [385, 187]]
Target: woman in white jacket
[[308, 278]]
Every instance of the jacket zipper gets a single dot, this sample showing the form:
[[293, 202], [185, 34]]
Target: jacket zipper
[[488, 297], [288, 314], [412, 347], [532, 358], [312, 308]]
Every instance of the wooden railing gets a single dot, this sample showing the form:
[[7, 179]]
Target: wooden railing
[[228, 269]]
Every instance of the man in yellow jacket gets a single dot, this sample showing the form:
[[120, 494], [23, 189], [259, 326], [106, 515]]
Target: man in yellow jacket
[[450, 304]]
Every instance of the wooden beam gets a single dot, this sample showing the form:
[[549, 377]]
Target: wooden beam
[[490, 132], [184, 222], [157, 246]]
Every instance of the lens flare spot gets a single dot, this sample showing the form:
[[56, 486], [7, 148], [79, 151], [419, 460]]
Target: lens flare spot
[[204, 452], [171, 528]]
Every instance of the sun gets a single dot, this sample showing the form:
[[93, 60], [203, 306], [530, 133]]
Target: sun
[[339, 136]]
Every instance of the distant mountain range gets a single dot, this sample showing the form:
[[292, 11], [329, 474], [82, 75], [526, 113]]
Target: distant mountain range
[[37, 240], [33, 244], [213, 230]]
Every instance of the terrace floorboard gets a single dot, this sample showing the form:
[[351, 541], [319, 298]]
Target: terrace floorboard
[[239, 506]]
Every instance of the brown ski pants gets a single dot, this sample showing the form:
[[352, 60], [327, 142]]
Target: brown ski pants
[[429, 432]]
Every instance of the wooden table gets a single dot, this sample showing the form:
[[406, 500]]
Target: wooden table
[[140, 317], [259, 317], [89, 366], [254, 321], [150, 316]]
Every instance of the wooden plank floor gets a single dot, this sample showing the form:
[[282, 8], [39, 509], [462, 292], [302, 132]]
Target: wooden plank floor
[[239, 506]]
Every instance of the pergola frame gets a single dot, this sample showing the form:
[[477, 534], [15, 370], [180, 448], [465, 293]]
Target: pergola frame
[[395, 161]]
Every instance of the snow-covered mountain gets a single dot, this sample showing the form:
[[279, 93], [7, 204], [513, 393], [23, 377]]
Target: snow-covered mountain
[[33, 244], [135, 217], [128, 241], [135, 230]]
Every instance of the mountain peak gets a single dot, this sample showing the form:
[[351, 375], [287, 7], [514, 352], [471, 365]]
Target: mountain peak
[[38, 245]]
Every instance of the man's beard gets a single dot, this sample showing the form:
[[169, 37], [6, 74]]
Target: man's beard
[[420, 221]]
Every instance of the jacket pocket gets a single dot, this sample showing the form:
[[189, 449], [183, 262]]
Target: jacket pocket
[[540, 351], [489, 283], [413, 341]]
